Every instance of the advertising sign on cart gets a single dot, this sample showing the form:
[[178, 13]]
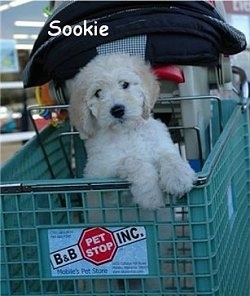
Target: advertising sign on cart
[[98, 251]]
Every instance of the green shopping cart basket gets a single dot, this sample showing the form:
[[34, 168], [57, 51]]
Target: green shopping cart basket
[[65, 235]]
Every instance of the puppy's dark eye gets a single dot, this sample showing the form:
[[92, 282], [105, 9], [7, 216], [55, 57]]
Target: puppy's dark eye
[[97, 93], [124, 84]]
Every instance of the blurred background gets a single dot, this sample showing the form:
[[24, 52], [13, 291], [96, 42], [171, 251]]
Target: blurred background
[[21, 21]]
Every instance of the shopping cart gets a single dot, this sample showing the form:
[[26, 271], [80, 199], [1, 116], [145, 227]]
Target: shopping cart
[[66, 235]]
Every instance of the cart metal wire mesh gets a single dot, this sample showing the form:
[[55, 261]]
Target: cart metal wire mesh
[[198, 245]]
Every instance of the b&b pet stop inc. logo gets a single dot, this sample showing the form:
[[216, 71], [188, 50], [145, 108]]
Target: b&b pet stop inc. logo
[[116, 249]]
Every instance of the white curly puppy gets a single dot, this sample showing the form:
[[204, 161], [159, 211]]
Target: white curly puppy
[[110, 105]]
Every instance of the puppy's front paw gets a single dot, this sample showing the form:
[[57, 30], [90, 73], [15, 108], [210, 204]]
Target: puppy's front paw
[[177, 178], [144, 180], [148, 198]]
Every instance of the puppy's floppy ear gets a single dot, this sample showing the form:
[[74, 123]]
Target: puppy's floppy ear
[[79, 113], [151, 88]]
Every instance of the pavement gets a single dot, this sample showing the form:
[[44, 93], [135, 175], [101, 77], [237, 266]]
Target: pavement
[[8, 150]]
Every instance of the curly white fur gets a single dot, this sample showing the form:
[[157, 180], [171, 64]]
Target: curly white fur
[[110, 105]]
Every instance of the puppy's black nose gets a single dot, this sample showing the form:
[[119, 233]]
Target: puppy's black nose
[[117, 111]]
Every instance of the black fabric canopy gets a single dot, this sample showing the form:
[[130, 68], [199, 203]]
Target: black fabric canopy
[[174, 32]]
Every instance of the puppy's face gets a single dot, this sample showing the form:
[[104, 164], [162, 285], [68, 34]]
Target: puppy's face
[[112, 90], [117, 97]]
